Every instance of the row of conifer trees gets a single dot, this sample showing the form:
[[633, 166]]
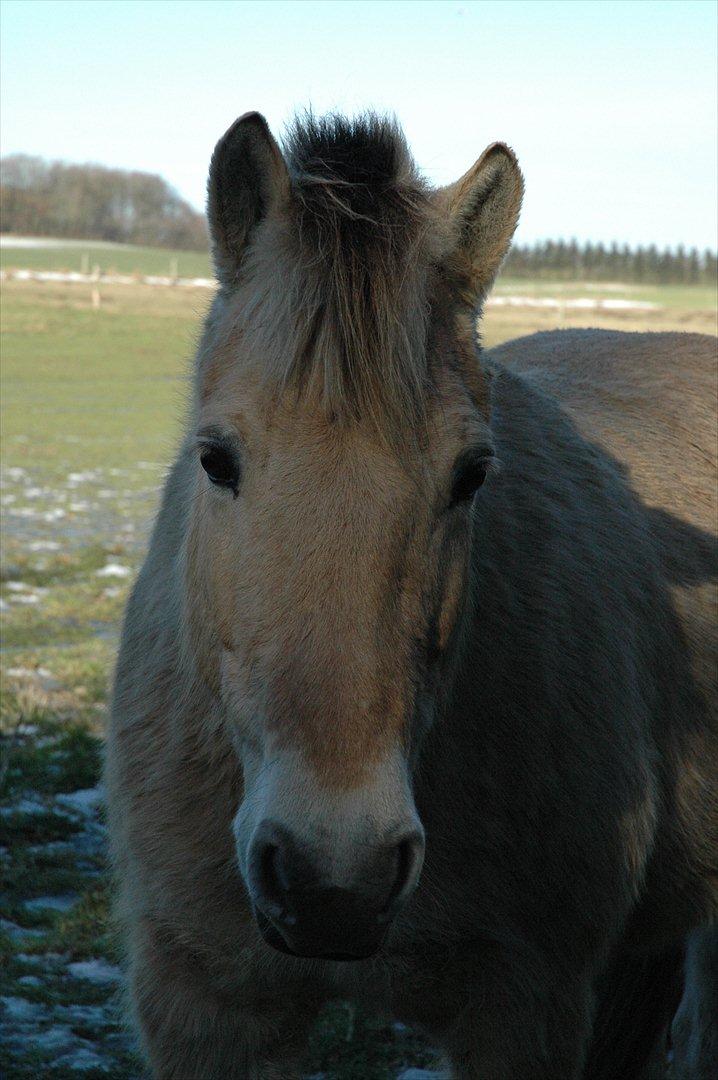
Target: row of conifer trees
[[557, 260]]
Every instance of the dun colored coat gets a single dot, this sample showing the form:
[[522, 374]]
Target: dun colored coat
[[416, 695]]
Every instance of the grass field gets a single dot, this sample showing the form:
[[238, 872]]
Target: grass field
[[686, 299], [120, 258], [92, 405]]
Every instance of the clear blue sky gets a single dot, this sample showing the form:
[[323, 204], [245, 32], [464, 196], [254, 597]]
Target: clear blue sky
[[611, 106]]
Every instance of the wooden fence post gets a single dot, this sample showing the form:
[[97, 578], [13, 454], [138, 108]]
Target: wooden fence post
[[95, 290]]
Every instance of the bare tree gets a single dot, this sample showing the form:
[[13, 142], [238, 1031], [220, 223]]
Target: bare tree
[[92, 201]]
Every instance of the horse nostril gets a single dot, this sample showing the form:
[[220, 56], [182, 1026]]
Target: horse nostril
[[269, 877], [409, 860]]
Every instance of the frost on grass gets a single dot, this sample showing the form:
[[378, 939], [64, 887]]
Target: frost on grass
[[59, 1012]]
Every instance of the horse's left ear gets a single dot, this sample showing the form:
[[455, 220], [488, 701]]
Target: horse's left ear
[[483, 208], [248, 180]]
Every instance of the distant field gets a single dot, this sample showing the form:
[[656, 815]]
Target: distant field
[[122, 258], [677, 297], [125, 259], [92, 405]]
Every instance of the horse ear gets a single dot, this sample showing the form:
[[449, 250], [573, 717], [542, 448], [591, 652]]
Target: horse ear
[[483, 207], [248, 178]]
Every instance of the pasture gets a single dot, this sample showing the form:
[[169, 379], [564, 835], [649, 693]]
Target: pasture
[[82, 255], [92, 407]]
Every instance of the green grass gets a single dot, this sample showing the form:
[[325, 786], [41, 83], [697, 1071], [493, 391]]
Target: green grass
[[111, 258], [84, 388]]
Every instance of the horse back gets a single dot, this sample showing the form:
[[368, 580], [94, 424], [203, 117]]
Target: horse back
[[648, 401]]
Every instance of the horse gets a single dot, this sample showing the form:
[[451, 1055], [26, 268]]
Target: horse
[[415, 699]]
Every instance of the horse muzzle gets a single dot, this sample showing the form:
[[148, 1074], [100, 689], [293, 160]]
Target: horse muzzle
[[300, 913]]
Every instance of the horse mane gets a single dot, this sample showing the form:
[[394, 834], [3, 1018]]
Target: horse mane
[[362, 221]]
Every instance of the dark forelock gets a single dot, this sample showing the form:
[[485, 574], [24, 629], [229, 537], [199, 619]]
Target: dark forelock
[[362, 225]]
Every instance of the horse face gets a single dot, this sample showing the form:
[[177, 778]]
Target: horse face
[[332, 570], [340, 438]]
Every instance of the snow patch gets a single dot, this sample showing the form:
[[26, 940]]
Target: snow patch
[[28, 731], [75, 478], [578, 303], [422, 1074], [87, 1015], [16, 932], [37, 959], [39, 675], [114, 570], [86, 801], [59, 1037], [21, 1011], [52, 903], [51, 848], [96, 971], [84, 1059], [29, 980], [31, 807]]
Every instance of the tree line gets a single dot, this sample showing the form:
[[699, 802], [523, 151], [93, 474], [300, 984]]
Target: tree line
[[558, 260], [54, 198]]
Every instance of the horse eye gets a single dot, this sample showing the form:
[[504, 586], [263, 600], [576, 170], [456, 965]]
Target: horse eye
[[469, 475], [221, 466]]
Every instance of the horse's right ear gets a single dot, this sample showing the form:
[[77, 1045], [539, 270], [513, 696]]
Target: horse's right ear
[[248, 178]]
